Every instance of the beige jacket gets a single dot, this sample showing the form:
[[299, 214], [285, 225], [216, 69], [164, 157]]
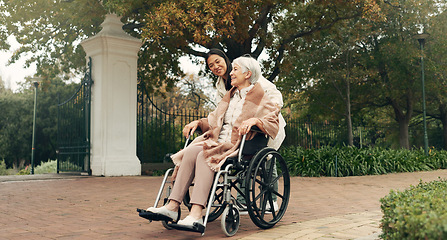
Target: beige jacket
[[275, 96]]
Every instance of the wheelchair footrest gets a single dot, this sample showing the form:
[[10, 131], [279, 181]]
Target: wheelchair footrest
[[152, 216], [197, 227]]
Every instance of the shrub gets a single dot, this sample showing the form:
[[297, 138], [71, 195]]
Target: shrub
[[417, 213], [25, 171], [352, 161], [3, 170], [46, 167]]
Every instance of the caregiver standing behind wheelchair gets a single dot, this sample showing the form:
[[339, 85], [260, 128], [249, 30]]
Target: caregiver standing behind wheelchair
[[220, 65], [243, 106]]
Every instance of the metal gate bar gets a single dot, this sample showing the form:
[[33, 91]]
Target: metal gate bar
[[73, 128]]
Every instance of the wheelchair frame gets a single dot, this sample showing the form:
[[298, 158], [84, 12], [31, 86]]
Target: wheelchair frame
[[258, 192]]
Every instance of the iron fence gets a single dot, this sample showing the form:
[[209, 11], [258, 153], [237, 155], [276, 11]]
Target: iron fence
[[160, 131], [313, 134], [159, 128]]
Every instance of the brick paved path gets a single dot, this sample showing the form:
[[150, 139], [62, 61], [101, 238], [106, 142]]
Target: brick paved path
[[67, 207]]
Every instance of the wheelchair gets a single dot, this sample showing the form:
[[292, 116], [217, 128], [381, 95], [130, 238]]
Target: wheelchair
[[250, 175]]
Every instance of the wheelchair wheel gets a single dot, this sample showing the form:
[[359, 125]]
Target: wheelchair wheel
[[261, 190], [230, 220]]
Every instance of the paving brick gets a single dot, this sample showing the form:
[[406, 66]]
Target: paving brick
[[74, 207]]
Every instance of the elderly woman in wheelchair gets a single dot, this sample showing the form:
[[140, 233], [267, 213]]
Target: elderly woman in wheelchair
[[243, 107]]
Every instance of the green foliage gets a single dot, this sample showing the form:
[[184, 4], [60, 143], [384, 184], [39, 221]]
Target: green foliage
[[419, 212], [49, 32], [70, 165], [157, 139], [46, 167], [351, 161], [16, 122], [43, 168], [3, 169], [15, 127], [156, 173], [25, 171], [361, 66]]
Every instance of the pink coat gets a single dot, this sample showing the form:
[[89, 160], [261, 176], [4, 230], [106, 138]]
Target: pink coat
[[257, 105]]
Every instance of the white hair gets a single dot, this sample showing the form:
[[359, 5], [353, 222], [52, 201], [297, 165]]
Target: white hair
[[249, 64]]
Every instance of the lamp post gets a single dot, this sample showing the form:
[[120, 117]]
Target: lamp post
[[421, 38], [36, 85]]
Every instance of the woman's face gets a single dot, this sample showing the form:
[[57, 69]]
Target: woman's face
[[217, 65], [238, 78]]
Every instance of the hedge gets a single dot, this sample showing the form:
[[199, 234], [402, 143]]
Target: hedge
[[419, 212], [352, 161]]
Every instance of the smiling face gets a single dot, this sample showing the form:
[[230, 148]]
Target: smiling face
[[217, 65], [239, 79]]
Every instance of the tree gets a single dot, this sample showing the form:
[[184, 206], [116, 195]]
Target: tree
[[15, 127], [395, 57], [378, 58], [248, 27], [52, 29], [2, 85], [190, 93], [436, 83], [327, 67], [51, 93], [16, 122], [49, 32]]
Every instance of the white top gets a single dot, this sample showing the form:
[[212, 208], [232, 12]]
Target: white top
[[275, 97], [233, 112]]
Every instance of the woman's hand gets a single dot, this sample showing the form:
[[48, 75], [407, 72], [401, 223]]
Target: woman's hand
[[190, 128], [247, 124]]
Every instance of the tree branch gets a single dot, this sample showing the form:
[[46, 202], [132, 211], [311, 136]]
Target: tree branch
[[284, 43], [262, 41], [261, 24], [193, 52]]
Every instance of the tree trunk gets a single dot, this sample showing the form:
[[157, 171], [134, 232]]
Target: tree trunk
[[403, 119], [403, 134], [444, 132], [350, 135], [443, 114], [348, 114]]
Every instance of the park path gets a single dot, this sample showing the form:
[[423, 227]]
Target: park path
[[82, 207]]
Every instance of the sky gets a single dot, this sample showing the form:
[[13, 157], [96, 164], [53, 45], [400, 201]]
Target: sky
[[15, 73]]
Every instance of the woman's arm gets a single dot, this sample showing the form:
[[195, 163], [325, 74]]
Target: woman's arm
[[271, 90]]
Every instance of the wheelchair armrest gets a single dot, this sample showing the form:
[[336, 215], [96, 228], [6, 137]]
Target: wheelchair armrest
[[255, 128], [259, 141]]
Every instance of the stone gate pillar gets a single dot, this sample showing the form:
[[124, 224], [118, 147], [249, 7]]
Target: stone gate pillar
[[114, 56]]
